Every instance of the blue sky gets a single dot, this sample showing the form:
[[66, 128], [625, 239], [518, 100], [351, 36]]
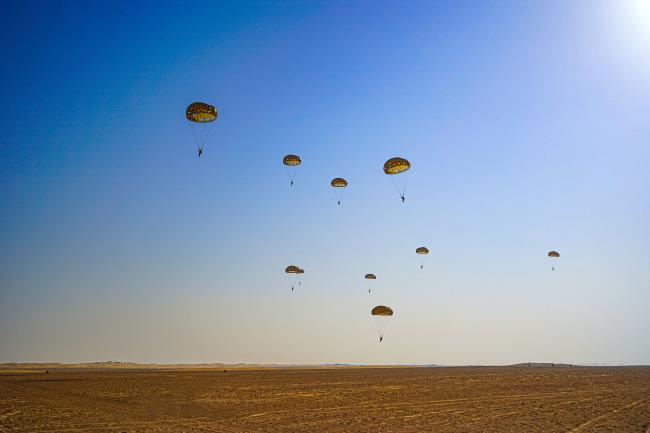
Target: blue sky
[[526, 125]]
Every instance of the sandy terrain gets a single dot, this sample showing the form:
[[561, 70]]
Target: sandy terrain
[[487, 399]]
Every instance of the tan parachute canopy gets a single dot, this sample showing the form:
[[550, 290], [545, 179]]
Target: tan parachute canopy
[[396, 165], [200, 112], [553, 254], [381, 310], [291, 269], [370, 277], [291, 160], [301, 271]]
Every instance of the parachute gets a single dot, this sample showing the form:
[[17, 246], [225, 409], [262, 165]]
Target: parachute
[[381, 310], [422, 252], [381, 315], [291, 163], [370, 279], [300, 272], [201, 116], [397, 170], [554, 256], [338, 183], [292, 272]]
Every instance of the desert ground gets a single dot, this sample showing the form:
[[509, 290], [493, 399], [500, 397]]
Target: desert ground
[[415, 399]]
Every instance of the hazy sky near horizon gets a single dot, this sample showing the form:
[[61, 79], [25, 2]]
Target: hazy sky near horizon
[[527, 125]]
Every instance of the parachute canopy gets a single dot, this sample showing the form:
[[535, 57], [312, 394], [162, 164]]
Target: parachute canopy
[[200, 112], [381, 310], [553, 254], [422, 250], [291, 269], [301, 271], [370, 277], [291, 160], [396, 165]]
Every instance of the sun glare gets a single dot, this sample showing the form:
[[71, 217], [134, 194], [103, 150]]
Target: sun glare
[[624, 27], [636, 21]]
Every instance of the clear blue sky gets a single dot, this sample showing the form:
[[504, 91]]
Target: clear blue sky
[[527, 124]]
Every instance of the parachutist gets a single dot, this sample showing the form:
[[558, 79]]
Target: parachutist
[[397, 169], [554, 256], [381, 315], [339, 203], [293, 271], [201, 115], [423, 251], [370, 278], [339, 182], [291, 163]]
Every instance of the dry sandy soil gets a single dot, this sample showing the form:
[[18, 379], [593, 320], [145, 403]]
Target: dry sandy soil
[[486, 399]]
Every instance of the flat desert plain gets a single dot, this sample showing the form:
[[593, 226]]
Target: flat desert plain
[[464, 399]]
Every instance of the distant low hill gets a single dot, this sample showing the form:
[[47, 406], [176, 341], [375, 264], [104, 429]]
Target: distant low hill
[[117, 365], [542, 365]]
